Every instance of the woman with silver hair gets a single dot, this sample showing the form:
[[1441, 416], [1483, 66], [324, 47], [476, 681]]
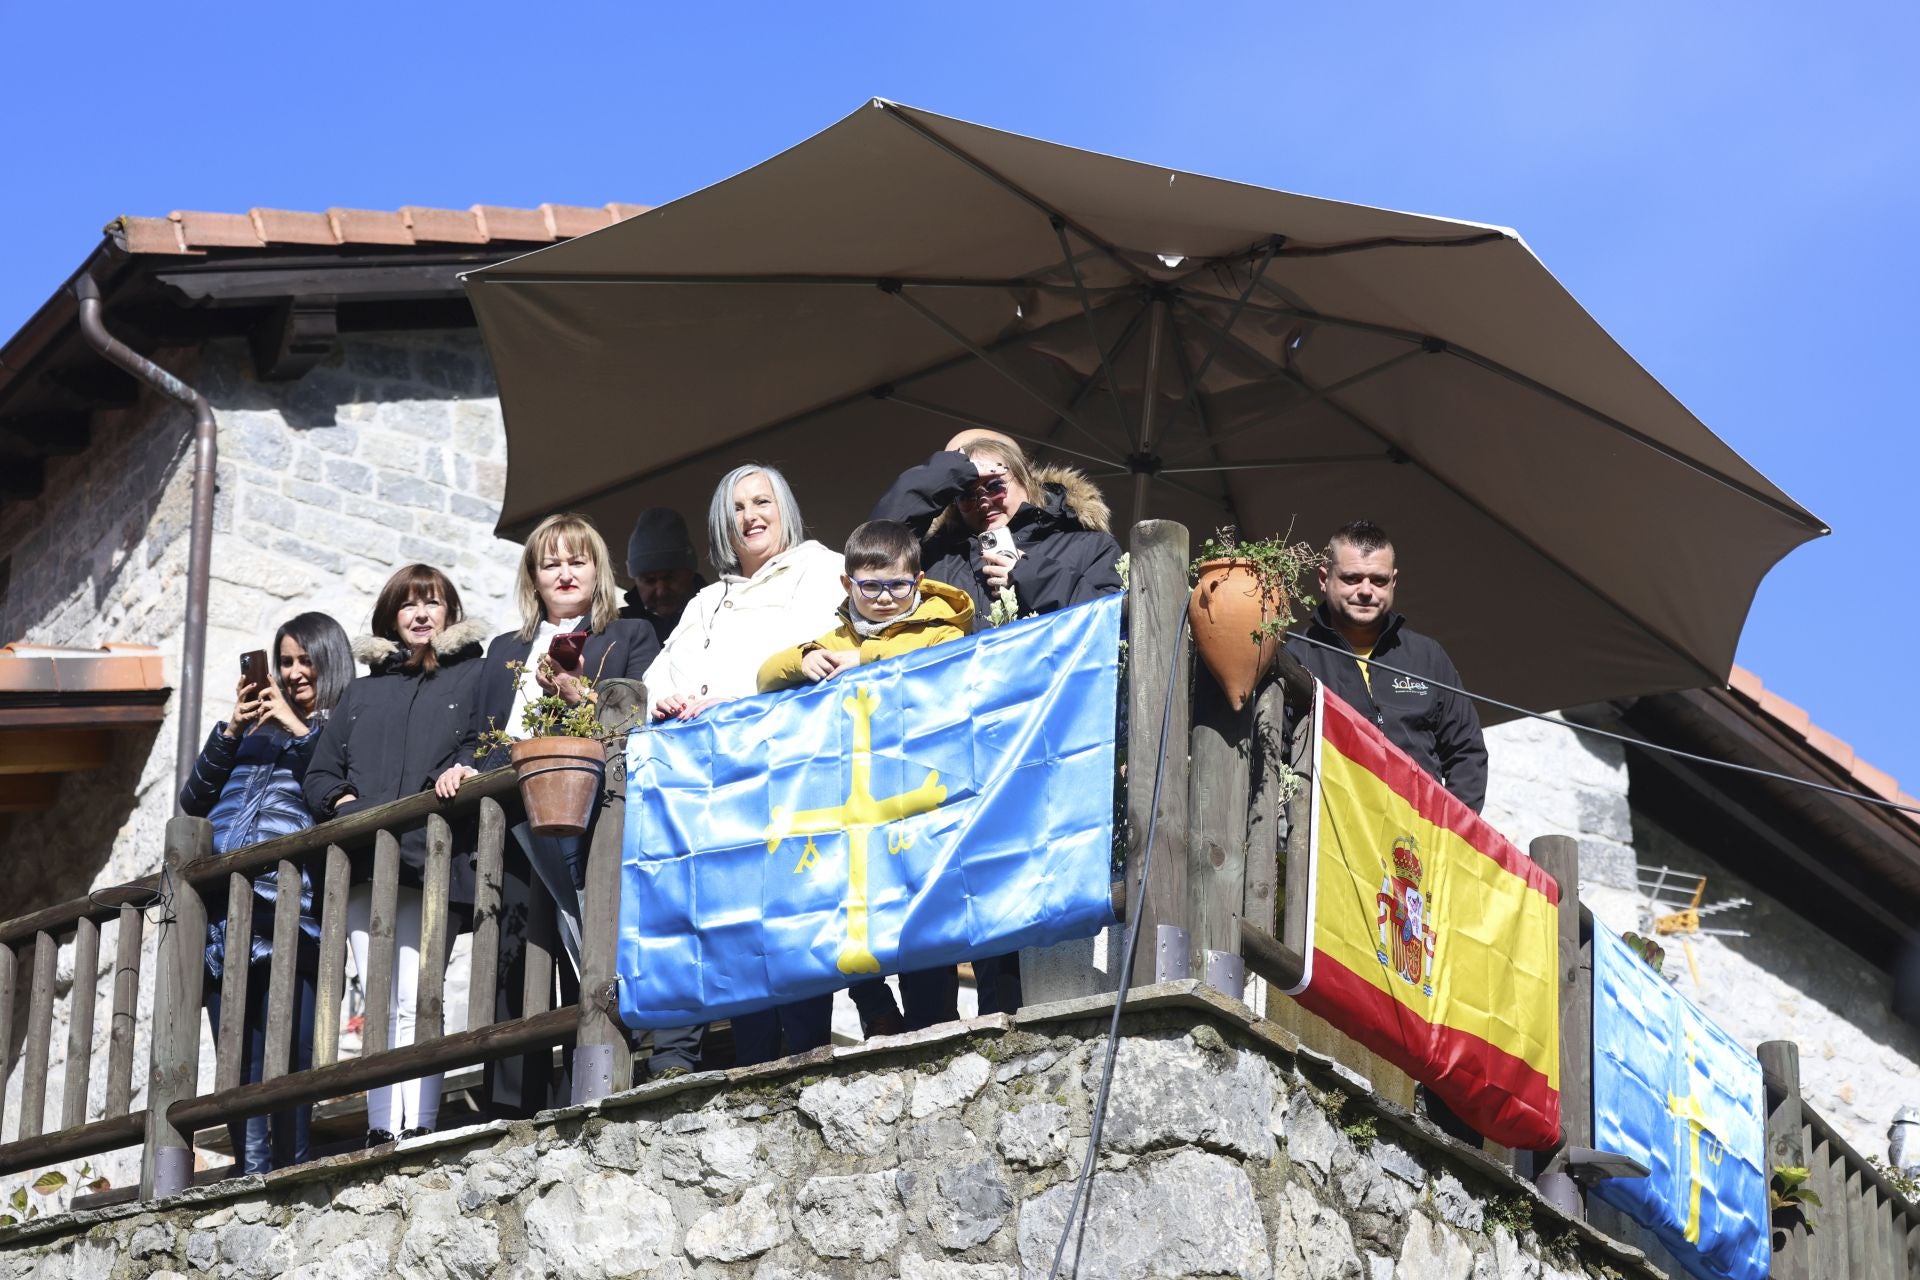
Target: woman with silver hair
[[777, 589]]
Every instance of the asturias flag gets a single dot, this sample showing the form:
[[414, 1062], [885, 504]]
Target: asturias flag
[[1435, 942], [1678, 1094], [949, 803]]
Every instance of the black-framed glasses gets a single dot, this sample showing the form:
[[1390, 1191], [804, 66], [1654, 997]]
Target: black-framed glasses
[[986, 487], [892, 588]]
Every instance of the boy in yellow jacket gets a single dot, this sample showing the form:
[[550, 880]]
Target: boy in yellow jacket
[[892, 608]]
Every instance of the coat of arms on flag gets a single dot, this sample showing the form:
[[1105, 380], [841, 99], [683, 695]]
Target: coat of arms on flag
[[951, 802], [1432, 940]]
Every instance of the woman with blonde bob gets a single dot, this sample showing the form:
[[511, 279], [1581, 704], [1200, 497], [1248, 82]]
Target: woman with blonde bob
[[566, 588]]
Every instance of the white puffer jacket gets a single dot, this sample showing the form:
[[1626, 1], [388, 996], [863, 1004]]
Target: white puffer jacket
[[732, 626]]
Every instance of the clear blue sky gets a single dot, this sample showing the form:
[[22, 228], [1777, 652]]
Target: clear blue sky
[[1731, 189]]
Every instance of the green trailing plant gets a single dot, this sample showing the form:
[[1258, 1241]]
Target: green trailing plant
[[1515, 1213], [1282, 571], [1904, 1184], [1789, 1197], [550, 716]]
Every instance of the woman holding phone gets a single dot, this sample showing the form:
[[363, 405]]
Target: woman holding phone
[[393, 733], [248, 780], [570, 630]]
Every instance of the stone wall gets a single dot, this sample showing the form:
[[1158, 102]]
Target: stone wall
[[950, 1155], [391, 451], [1787, 981]]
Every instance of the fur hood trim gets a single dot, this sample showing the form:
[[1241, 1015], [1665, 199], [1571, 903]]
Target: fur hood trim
[[1065, 493], [378, 652]]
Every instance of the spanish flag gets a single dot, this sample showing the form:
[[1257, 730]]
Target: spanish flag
[[1434, 941]]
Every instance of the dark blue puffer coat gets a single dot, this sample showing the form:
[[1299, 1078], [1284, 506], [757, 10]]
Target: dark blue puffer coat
[[250, 788]]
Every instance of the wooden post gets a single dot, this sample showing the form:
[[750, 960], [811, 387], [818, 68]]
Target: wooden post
[[1219, 779], [1780, 1068], [283, 973], [429, 1019], [1559, 857], [86, 975], [1156, 637], [233, 982], [484, 967], [126, 1010], [376, 1029], [1266, 752], [33, 1075], [330, 982], [166, 1164], [9, 975], [602, 1057]]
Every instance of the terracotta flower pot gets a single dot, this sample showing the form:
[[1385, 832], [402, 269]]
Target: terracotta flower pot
[[1224, 612], [559, 782]]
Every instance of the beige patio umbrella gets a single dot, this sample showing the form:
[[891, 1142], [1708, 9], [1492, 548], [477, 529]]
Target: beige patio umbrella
[[1211, 352]]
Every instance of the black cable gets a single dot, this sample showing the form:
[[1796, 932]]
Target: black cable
[[1628, 739], [1136, 912]]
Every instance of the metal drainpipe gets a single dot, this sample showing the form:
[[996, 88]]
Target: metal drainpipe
[[200, 545]]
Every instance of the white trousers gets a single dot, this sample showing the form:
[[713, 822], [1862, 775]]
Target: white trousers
[[414, 1104]]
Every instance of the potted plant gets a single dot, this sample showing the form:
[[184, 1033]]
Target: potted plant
[[1245, 596], [560, 763]]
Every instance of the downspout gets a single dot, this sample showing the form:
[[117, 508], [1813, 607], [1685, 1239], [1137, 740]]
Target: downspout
[[200, 543]]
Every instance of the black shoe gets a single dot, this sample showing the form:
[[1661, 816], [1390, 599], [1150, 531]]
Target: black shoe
[[415, 1132], [379, 1137]]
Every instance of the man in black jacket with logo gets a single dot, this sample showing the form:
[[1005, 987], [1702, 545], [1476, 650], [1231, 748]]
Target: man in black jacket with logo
[[1435, 726]]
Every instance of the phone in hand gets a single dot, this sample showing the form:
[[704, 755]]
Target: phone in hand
[[997, 542], [566, 650], [253, 668]]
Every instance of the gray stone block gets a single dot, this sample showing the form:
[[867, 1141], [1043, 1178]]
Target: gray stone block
[[606, 1223], [1192, 1214], [856, 1215], [1035, 1136], [745, 1229], [970, 1203], [1310, 1240], [962, 1079], [855, 1115], [1170, 1091]]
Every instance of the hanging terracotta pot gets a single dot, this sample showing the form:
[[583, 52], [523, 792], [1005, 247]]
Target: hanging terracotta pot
[[560, 782], [1224, 612]]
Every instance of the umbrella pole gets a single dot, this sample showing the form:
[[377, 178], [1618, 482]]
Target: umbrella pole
[[1149, 402]]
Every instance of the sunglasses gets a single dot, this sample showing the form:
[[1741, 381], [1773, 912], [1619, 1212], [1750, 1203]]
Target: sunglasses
[[986, 487], [892, 588]]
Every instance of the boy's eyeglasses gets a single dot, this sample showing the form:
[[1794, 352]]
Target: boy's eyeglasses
[[986, 487], [892, 588]]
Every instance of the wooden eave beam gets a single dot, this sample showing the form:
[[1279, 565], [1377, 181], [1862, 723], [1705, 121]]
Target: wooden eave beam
[[53, 750]]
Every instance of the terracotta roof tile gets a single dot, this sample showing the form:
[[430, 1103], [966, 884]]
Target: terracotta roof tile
[[216, 230], [1798, 724], [498, 222], [567, 220], [288, 226], [443, 226], [369, 226], [188, 232], [148, 235]]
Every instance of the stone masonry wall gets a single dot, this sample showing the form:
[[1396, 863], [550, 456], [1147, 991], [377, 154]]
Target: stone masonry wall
[[391, 451], [1788, 981], [946, 1156]]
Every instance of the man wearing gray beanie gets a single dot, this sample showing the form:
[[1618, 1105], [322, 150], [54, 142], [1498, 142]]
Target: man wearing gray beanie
[[660, 570]]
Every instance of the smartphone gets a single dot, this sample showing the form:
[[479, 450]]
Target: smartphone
[[253, 668], [997, 542]]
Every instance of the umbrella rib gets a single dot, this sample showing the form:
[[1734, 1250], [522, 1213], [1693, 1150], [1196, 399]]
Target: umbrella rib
[[934, 318], [976, 420], [1330, 250], [1447, 484], [802, 281], [1015, 189], [1802, 518], [1345, 459], [1092, 379], [1093, 334], [1233, 318], [1206, 430]]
